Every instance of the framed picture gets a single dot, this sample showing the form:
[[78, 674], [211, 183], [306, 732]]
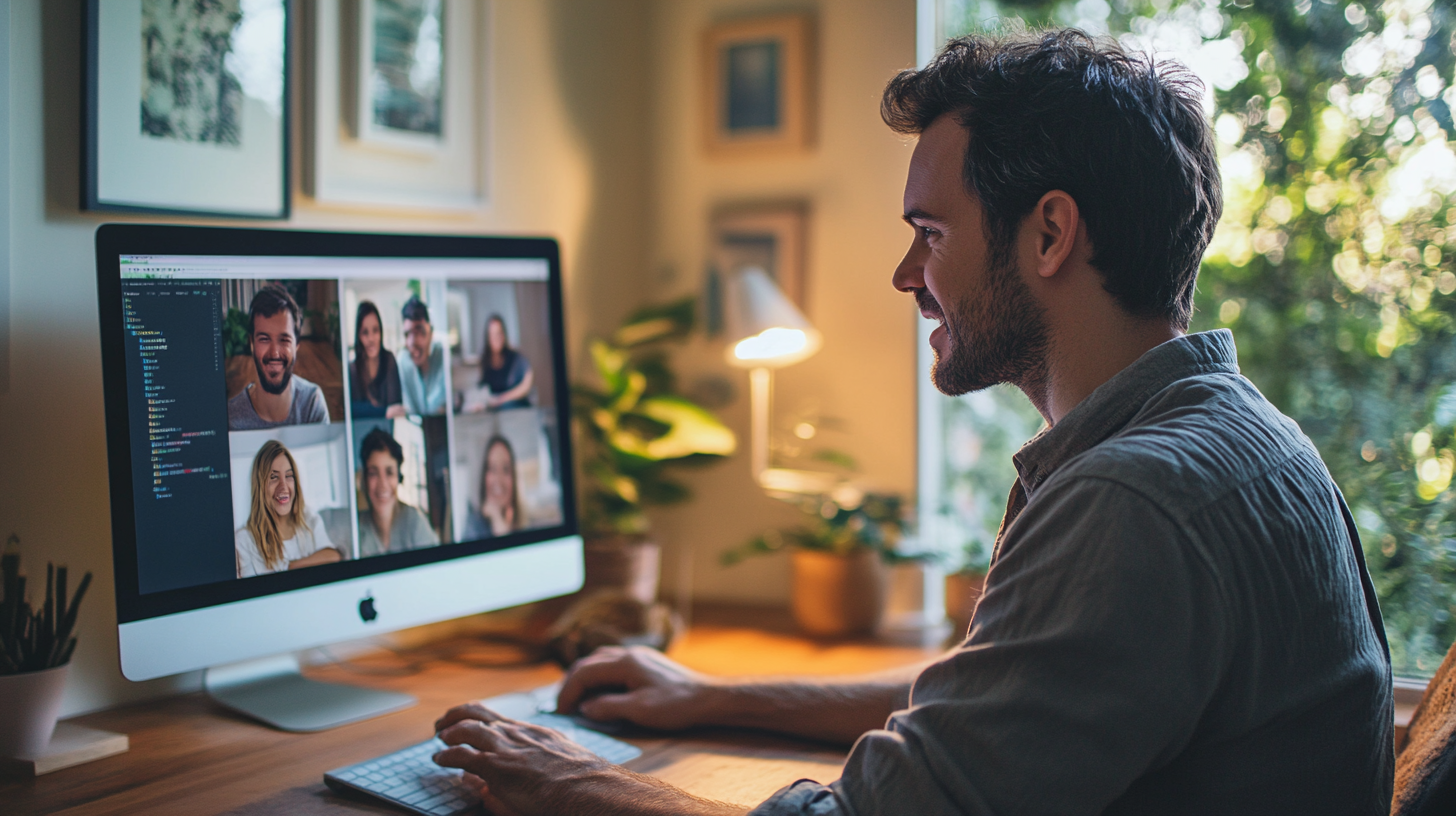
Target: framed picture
[[396, 110], [400, 73], [758, 91], [186, 107], [770, 236]]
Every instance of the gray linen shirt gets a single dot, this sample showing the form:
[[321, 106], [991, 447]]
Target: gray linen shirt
[[408, 530], [308, 407], [1176, 622]]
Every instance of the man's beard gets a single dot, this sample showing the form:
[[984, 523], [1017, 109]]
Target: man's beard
[[283, 381], [997, 336]]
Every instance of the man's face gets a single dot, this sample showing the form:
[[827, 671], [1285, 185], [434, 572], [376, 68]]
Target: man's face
[[275, 341], [992, 330], [417, 336]]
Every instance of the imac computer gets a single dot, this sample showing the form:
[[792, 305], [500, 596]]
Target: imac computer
[[315, 437]]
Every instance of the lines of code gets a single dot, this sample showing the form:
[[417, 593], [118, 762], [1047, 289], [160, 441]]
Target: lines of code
[[177, 405]]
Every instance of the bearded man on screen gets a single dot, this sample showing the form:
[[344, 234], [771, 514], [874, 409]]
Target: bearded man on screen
[[280, 397], [1177, 619]]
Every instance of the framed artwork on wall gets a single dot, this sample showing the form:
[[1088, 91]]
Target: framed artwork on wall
[[772, 236], [399, 74], [758, 86], [186, 107], [395, 106]]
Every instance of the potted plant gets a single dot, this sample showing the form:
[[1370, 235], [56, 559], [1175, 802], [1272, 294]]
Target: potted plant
[[35, 651], [634, 428], [838, 557], [963, 586]]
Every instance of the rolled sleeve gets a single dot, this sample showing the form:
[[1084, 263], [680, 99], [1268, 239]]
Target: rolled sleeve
[[804, 798]]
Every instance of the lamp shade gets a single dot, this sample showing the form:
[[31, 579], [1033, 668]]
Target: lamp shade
[[764, 328]]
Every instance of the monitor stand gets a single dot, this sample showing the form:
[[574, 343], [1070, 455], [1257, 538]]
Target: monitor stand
[[274, 690]]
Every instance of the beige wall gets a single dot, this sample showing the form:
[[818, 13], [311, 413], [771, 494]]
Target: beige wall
[[852, 181], [568, 157]]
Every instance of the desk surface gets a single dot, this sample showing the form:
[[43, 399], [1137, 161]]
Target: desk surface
[[190, 757]]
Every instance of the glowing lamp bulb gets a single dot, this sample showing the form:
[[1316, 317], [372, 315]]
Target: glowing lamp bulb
[[771, 343]]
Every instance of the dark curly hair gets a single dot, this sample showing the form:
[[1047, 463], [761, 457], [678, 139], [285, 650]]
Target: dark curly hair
[[269, 301], [1121, 133]]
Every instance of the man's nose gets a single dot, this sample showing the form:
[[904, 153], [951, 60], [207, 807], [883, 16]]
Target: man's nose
[[910, 273]]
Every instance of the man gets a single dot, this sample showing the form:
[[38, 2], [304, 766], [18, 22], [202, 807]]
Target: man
[[281, 397], [422, 383], [1177, 619], [422, 375]]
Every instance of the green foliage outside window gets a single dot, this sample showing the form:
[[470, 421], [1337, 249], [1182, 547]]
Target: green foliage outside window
[[1332, 264]]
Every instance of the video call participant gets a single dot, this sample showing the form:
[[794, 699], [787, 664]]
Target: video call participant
[[374, 389], [280, 396], [388, 524], [281, 534], [1177, 619], [422, 375], [499, 509], [422, 380], [505, 371]]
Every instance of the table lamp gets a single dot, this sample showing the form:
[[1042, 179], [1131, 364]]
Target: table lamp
[[766, 331]]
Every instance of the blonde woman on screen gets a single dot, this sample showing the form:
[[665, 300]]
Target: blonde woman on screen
[[280, 534]]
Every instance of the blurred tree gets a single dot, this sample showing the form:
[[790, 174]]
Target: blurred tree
[[1333, 261]]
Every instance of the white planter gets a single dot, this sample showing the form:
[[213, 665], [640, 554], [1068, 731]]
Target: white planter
[[29, 706]]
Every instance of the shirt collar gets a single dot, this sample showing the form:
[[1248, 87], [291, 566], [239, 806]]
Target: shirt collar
[[1106, 410]]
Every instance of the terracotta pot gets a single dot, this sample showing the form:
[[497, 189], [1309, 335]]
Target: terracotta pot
[[29, 706], [626, 563], [838, 595], [962, 593]]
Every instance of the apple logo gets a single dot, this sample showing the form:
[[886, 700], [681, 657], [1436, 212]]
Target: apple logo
[[366, 609]]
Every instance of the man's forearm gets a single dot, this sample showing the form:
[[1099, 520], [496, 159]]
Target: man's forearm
[[827, 710], [634, 794]]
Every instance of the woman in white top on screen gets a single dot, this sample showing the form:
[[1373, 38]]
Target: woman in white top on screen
[[280, 534]]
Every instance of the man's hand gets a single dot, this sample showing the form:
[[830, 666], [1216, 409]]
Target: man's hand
[[521, 769], [643, 686], [512, 763], [639, 685]]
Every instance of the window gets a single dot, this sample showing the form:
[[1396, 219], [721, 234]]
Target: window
[[1332, 266]]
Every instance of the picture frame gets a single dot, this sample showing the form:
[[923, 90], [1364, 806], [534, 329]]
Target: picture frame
[[362, 151], [205, 135], [773, 236], [399, 79], [758, 86]]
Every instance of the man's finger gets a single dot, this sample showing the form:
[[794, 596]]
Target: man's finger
[[474, 733], [468, 711], [594, 672], [464, 757], [610, 707]]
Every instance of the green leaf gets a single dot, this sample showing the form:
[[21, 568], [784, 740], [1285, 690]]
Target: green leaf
[[693, 430], [667, 321], [609, 362]]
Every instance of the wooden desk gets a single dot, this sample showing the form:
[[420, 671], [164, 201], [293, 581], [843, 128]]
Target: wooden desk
[[189, 757]]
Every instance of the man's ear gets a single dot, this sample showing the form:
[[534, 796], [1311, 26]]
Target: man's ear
[[1053, 225]]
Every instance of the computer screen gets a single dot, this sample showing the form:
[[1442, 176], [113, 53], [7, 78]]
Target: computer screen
[[291, 411]]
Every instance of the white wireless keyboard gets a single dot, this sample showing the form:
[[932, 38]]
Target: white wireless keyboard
[[410, 779]]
